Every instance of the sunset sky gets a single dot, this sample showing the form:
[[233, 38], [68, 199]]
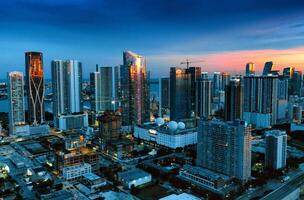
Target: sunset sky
[[225, 34]]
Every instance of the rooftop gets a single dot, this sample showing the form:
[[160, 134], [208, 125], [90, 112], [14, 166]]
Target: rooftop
[[91, 176], [133, 174]]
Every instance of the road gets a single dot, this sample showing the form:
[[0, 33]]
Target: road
[[286, 189]]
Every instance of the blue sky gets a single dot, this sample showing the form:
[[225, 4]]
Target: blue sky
[[165, 31]]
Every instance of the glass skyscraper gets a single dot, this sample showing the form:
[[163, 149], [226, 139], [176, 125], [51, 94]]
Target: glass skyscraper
[[134, 89], [34, 83], [67, 85], [16, 99]]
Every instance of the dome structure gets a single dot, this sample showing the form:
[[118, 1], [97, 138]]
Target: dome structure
[[160, 121], [181, 125], [172, 125]]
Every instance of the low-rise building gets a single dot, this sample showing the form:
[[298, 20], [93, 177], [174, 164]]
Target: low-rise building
[[207, 179], [173, 136], [134, 178], [93, 181], [182, 196], [76, 171]]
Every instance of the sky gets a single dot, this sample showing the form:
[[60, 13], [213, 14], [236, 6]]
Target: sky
[[224, 34]]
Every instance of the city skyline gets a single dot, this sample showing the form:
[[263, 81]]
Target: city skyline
[[238, 33]]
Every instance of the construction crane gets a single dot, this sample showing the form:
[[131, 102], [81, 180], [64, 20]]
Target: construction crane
[[187, 62]]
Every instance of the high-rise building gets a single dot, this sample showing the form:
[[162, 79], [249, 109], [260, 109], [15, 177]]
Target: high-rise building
[[267, 68], [234, 100], [135, 98], [164, 95], [220, 80], [67, 85], [16, 100], [95, 91], [194, 75], [296, 83], [105, 88], [250, 69], [225, 147], [34, 83], [282, 88], [203, 98], [180, 105], [288, 72], [275, 149], [260, 97]]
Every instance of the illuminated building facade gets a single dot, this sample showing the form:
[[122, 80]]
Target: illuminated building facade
[[250, 69], [34, 83], [16, 99], [66, 82], [134, 90]]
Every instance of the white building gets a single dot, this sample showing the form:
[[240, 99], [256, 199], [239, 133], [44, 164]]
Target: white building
[[134, 178], [182, 196], [275, 149], [165, 136], [76, 171], [74, 121]]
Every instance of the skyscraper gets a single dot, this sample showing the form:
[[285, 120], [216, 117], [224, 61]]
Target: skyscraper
[[16, 100], [260, 97], [164, 95], [234, 100], [225, 147], [106, 88], [276, 149], [134, 89], [250, 69], [34, 83], [95, 91], [296, 83], [220, 80], [194, 75], [67, 85], [267, 68], [180, 105], [203, 97]]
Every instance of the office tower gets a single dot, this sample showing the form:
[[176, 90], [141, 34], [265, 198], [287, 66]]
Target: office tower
[[95, 91], [275, 149], [250, 69], [288, 72], [260, 99], [296, 83], [34, 83], [105, 87], [164, 95], [216, 83], [234, 100], [194, 75], [203, 97], [116, 88], [225, 147], [180, 105], [16, 100], [67, 86], [134, 90], [220, 80], [204, 75], [282, 88], [267, 68]]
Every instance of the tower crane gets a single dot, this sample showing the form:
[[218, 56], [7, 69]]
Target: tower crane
[[187, 62]]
